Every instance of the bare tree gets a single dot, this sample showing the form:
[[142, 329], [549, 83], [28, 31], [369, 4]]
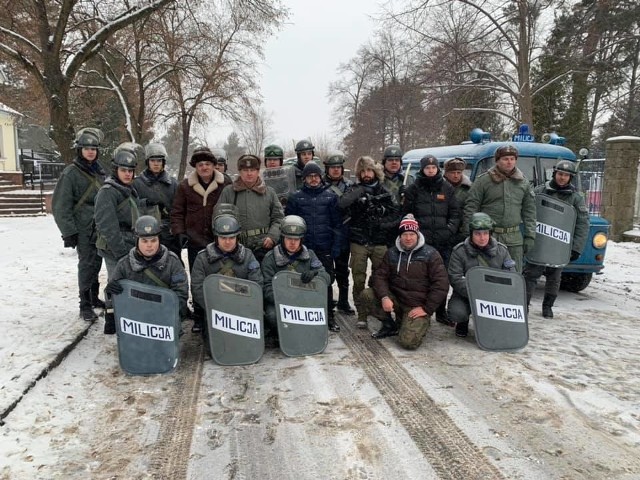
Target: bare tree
[[42, 38], [255, 130]]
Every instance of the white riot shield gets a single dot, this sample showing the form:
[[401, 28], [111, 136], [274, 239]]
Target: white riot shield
[[302, 314], [234, 319], [555, 223], [281, 179], [498, 302], [148, 327]]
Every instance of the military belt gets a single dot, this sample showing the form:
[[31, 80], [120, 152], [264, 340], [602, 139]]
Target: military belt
[[256, 231], [513, 229]]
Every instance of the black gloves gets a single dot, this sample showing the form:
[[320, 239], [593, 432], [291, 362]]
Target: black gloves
[[113, 288], [574, 255], [70, 241], [307, 276]]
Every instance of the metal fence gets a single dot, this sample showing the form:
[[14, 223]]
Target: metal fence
[[39, 168]]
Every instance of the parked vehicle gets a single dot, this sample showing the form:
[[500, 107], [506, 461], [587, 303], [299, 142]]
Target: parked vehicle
[[536, 160]]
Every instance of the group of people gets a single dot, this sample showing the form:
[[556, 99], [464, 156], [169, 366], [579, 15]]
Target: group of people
[[420, 233]]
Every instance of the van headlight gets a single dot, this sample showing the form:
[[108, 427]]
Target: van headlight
[[599, 240]]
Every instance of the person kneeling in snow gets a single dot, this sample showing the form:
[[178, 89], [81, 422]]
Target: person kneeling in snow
[[150, 263], [411, 281]]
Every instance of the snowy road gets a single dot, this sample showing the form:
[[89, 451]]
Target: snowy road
[[567, 406]]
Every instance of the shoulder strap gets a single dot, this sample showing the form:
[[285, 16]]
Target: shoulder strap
[[155, 278], [93, 183]]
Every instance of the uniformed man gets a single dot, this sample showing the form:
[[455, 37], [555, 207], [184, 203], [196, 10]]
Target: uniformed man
[[273, 156], [478, 249], [506, 195], [559, 187], [334, 177], [394, 179], [454, 174], [73, 208], [305, 152]]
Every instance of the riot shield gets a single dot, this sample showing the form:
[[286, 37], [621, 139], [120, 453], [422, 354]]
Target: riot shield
[[498, 302], [555, 222], [234, 319], [302, 314], [281, 179], [148, 328]]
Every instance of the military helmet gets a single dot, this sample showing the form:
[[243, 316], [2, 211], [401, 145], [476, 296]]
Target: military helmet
[[146, 226], [293, 226], [304, 145], [565, 166], [155, 150], [392, 151], [505, 151], [226, 225], [273, 151], [88, 137], [335, 159], [126, 155], [225, 209], [480, 221]]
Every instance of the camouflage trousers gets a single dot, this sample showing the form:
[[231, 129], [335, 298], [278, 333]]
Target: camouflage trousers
[[360, 255], [411, 330]]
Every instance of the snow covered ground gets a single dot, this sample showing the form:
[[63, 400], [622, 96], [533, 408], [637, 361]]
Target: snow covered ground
[[567, 406]]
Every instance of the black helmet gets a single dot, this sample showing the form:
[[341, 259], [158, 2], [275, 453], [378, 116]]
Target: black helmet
[[126, 155], [146, 226], [304, 145], [392, 151], [565, 166], [505, 151], [226, 225], [335, 159], [155, 150], [293, 226], [480, 221]]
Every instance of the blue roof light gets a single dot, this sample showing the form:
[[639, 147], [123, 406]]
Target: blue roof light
[[477, 135]]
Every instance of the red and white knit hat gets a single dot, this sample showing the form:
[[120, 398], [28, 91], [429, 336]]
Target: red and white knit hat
[[408, 224]]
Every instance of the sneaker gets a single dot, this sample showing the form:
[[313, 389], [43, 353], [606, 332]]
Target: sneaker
[[462, 329], [361, 324]]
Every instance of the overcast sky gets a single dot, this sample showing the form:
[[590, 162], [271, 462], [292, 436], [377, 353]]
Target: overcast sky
[[301, 60]]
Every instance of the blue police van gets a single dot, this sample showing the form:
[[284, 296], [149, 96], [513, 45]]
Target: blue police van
[[536, 160]]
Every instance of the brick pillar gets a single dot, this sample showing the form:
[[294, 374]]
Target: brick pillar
[[620, 184]]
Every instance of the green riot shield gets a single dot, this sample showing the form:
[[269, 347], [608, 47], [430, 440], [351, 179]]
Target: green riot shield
[[148, 328], [555, 223], [234, 319], [498, 302], [302, 314]]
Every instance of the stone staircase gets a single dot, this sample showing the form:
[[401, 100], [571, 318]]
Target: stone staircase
[[16, 202]]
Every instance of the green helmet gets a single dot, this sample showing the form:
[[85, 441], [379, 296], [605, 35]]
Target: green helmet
[[335, 159], [226, 226], [304, 145], [146, 226], [273, 151], [293, 226], [565, 166], [392, 151], [480, 221]]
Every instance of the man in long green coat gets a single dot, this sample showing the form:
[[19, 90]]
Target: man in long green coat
[[73, 208], [506, 195]]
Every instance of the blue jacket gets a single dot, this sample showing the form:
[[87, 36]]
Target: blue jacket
[[319, 208]]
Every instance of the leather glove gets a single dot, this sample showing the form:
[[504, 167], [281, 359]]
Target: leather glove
[[527, 245], [70, 241], [307, 276], [574, 255], [113, 288], [183, 239]]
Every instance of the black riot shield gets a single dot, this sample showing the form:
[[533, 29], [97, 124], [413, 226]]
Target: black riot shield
[[498, 302], [281, 179], [148, 328], [555, 222], [234, 319], [302, 314]]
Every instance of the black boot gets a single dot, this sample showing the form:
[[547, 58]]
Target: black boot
[[95, 301], [547, 303], [109, 323], [343, 301], [389, 329], [333, 325], [86, 311], [462, 329], [441, 315]]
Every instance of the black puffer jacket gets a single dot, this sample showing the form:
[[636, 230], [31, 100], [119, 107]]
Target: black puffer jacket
[[433, 202]]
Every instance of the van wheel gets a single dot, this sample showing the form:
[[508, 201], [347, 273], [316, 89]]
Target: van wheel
[[575, 282]]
